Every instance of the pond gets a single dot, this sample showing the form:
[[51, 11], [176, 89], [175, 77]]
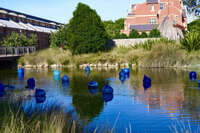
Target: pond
[[172, 103]]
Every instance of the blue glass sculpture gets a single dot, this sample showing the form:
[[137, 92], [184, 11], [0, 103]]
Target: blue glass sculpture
[[146, 82], [122, 76], [40, 93], [93, 91], [21, 73], [93, 85], [193, 76], [2, 90], [107, 97], [56, 75], [40, 99], [65, 79], [31, 83], [126, 72], [87, 70], [107, 89], [9, 87], [199, 83]]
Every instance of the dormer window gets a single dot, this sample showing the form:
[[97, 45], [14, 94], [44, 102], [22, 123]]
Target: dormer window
[[152, 7], [161, 6]]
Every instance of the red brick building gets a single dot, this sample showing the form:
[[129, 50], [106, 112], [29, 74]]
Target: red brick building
[[12, 21], [148, 15]]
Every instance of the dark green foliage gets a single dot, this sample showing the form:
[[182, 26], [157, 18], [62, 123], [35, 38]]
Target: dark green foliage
[[191, 41], [86, 32], [154, 33], [121, 36], [113, 28], [194, 26], [143, 35], [59, 38], [134, 34], [16, 39]]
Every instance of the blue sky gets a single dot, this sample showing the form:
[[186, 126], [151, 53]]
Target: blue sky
[[61, 10]]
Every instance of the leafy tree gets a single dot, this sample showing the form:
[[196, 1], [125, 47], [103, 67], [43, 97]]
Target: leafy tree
[[134, 34], [143, 35], [16, 39], [194, 26], [59, 38], [154, 33], [192, 7], [86, 32]]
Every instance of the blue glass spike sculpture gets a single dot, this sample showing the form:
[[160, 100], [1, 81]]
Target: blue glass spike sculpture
[[93, 85], [2, 90], [87, 70], [65, 79], [56, 75], [107, 97], [146, 82], [93, 91], [21, 73], [31, 83], [126, 72], [107, 89], [122, 76], [193, 76]]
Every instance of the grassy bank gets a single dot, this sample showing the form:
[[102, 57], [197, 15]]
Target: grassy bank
[[157, 53]]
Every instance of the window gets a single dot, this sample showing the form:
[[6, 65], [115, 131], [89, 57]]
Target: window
[[161, 6], [176, 18], [152, 21], [152, 7]]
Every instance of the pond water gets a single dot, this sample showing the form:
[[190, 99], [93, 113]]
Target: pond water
[[171, 101]]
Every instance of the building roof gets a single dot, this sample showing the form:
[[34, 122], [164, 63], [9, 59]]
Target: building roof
[[144, 27], [28, 16], [152, 1]]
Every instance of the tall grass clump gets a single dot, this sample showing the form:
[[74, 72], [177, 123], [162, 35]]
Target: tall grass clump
[[191, 41]]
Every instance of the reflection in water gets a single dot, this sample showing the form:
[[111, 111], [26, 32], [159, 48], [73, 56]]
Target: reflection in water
[[172, 96]]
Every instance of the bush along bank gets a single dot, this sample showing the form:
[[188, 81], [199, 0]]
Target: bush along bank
[[152, 54]]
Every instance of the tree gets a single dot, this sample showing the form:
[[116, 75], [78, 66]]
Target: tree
[[154, 33], [86, 32], [134, 34], [194, 26], [192, 7], [143, 35]]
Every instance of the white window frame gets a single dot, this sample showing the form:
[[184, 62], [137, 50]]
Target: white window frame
[[152, 21]]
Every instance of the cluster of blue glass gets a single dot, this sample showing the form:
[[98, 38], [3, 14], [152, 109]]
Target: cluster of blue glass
[[146, 82], [2, 90], [124, 74], [87, 70], [40, 95], [21, 73], [193, 76]]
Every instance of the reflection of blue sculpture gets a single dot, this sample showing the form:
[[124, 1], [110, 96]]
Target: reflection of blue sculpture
[[9, 87], [193, 76], [122, 76], [199, 83], [31, 83], [56, 75], [93, 91], [107, 97], [2, 90], [87, 70], [93, 85], [21, 73], [65, 79], [126, 72], [146, 82], [107, 89], [40, 95]]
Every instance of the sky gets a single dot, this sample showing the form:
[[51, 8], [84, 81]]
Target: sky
[[62, 10]]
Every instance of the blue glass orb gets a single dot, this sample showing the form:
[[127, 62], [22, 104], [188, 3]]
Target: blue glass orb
[[146, 82], [2, 88], [93, 85], [40, 93], [107, 97], [31, 83], [65, 79], [193, 75], [93, 91], [40, 99], [21, 73], [56, 75], [107, 89]]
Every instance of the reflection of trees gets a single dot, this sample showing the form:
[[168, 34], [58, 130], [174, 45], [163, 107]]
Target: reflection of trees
[[87, 106]]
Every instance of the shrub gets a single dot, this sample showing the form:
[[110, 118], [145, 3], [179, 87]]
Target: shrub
[[154, 33], [16, 39], [143, 35], [134, 34], [121, 36], [194, 26], [86, 32], [191, 41]]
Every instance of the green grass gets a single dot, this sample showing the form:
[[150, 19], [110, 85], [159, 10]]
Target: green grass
[[157, 53]]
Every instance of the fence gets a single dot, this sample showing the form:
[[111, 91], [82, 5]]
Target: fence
[[16, 51]]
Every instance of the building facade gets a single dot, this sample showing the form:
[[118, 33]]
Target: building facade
[[148, 15], [12, 21]]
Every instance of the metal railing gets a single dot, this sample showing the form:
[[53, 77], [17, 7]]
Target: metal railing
[[16, 51]]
